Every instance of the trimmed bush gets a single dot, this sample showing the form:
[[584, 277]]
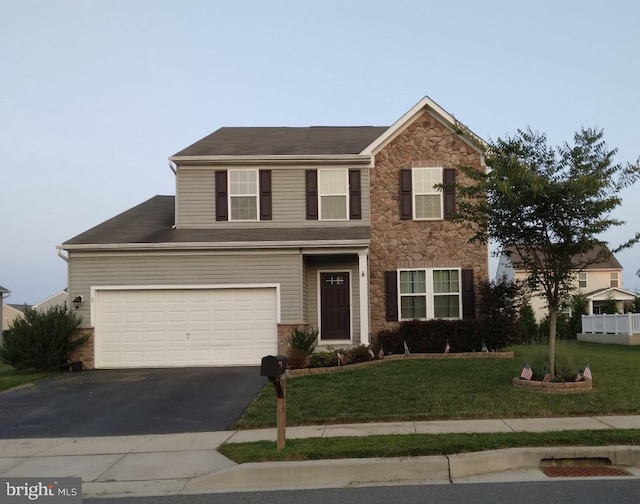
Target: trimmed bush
[[42, 340]]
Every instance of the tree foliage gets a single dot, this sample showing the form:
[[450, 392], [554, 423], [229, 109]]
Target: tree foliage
[[41, 340], [547, 206]]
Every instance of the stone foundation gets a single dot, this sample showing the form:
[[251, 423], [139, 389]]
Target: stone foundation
[[85, 352], [284, 331], [553, 387]]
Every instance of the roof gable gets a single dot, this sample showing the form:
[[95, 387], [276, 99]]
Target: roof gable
[[441, 114]]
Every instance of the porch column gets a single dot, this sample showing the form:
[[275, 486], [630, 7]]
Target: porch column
[[363, 276]]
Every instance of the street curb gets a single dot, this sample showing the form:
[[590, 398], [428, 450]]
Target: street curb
[[435, 469], [323, 473]]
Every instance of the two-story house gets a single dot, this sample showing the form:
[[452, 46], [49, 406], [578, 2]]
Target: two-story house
[[599, 281], [343, 229]]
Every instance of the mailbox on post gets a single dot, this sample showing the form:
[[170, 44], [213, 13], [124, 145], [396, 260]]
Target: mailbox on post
[[273, 366]]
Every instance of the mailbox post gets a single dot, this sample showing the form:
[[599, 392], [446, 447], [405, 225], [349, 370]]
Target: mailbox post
[[274, 367]]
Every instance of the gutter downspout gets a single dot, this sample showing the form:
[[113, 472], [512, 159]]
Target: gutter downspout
[[60, 254]]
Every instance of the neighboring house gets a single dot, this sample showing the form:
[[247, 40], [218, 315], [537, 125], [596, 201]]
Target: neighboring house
[[57, 299], [4, 293], [12, 312], [599, 282], [337, 228]]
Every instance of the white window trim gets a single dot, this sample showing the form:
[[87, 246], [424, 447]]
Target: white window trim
[[586, 283], [345, 194], [436, 192], [617, 279], [230, 196], [430, 294]]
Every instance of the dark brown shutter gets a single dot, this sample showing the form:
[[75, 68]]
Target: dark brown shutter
[[355, 195], [265, 194], [391, 295], [406, 198], [468, 295], [311, 177], [222, 213], [449, 193]]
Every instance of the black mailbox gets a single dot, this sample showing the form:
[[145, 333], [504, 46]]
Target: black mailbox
[[273, 366]]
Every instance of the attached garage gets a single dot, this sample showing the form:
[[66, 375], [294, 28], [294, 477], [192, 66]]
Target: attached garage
[[184, 326]]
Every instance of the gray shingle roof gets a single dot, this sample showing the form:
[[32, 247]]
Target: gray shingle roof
[[152, 222], [610, 263], [315, 140]]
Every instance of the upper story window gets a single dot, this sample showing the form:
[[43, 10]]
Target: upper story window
[[614, 279], [243, 194], [333, 194], [427, 200], [421, 200], [430, 293], [582, 279]]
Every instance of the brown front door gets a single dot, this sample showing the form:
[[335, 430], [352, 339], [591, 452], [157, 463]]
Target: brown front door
[[334, 306]]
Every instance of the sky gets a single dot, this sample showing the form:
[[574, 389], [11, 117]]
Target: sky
[[96, 95]]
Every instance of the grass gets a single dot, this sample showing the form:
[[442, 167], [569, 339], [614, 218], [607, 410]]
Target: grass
[[414, 445], [453, 389], [10, 377]]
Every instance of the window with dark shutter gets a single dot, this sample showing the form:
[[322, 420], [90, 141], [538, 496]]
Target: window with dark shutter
[[449, 193], [311, 183], [222, 213], [265, 194], [406, 209], [391, 295], [355, 195], [468, 295]]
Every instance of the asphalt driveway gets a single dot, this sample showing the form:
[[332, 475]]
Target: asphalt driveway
[[128, 402]]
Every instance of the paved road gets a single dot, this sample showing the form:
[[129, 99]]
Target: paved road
[[129, 402], [561, 491]]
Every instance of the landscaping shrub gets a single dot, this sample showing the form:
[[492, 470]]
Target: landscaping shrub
[[356, 354], [579, 307], [42, 340], [432, 336], [323, 359], [527, 325], [301, 344]]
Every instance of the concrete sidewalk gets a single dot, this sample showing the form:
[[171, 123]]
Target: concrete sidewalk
[[189, 463]]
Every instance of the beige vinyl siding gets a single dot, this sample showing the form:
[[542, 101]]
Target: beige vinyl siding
[[187, 268], [312, 291], [196, 200]]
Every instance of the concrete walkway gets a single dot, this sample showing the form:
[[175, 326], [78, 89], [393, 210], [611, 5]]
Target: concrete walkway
[[189, 463]]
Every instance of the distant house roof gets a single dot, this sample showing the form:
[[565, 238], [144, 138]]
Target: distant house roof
[[610, 263], [20, 307], [274, 141], [152, 222], [4, 291]]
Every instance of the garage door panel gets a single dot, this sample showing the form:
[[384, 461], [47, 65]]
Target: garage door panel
[[206, 327]]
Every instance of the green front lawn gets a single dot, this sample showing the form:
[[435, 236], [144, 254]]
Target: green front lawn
[[10, 377], [453, 389]]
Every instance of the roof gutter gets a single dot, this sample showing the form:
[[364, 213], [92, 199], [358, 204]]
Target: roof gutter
[[173, 167], [351, 159], [59, 250], [212, 245]]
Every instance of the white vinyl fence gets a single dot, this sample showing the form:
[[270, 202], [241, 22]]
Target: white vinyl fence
[[629, 323]]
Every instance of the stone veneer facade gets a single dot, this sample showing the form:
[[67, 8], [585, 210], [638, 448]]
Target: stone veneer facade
[[397, 243]]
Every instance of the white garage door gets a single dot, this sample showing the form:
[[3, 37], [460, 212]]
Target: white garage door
[[184, 327]]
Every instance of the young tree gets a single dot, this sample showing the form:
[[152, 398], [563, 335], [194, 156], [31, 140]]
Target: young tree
[[547, 206]]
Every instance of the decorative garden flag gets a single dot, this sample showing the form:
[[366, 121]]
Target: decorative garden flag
[[586, 374], [447, 348], [484, 347], [371, 354], [340, 359], [406, 348], [527, 372], [381, 353]]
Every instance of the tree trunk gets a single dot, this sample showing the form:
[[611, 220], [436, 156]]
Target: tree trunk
[[553, 323]]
